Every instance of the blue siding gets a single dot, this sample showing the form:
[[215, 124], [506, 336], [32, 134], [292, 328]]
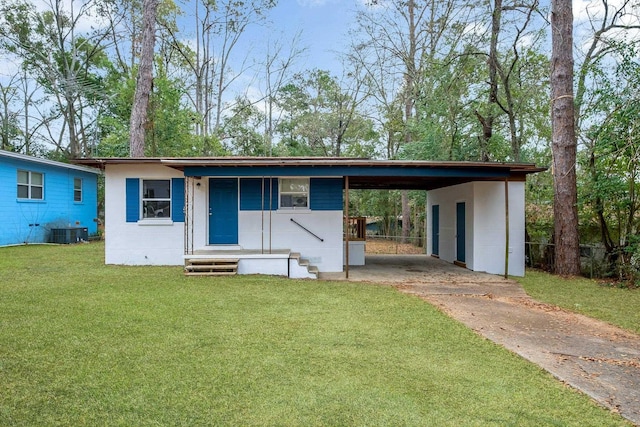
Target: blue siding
[[251, 194], [177, 199], [31, 221], [325, 194], [133, 199]]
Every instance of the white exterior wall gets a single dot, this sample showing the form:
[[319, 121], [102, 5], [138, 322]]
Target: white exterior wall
[[148, 242], [326, 254], [490, 227], [161, 242], [447, 198], [274, 266], [485, 225]]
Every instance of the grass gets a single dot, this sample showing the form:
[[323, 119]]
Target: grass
[[83, 344], [618, 306]]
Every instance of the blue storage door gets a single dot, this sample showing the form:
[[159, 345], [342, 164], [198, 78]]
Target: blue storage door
[[435, 230], [460, 232], [223, 211]]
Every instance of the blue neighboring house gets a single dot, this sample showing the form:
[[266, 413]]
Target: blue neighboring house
[[43, 200]]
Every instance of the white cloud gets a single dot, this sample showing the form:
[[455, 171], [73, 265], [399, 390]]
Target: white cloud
[[82, 9], [589, 14], [581, 9], [594, 10], [316, 3], [10, 67]]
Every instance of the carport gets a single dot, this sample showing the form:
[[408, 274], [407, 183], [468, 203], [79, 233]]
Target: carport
[[457, 184]]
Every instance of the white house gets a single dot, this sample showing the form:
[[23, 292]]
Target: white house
[[286, 216]]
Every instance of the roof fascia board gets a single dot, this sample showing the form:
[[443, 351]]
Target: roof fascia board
[[182, 162], [395, 171], [25, 158]]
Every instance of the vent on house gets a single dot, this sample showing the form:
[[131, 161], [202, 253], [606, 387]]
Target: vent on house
[[69, 235]]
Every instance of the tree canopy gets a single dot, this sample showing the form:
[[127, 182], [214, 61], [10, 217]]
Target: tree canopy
[[418, 79]]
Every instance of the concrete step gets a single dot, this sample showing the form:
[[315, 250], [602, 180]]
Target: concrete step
[[194, 261], [210, 273], [211, 266], [311, 271]]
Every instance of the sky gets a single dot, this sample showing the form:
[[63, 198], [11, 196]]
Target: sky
[[323, 25]]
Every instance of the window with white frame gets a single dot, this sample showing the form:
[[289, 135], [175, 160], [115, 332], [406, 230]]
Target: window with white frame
[[156, 198], [294, 193], [30, 185], [77, 189]]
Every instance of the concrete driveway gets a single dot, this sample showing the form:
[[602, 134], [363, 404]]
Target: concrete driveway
[[599, 359]]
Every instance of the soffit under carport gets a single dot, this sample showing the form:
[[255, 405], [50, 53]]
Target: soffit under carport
[[404, 183], [362, 173]]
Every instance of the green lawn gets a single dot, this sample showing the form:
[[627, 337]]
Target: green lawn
[[618, 306], [84, 344]]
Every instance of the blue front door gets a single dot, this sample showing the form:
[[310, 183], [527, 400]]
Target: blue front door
[[223, 211], [460, 232], [435, 230]]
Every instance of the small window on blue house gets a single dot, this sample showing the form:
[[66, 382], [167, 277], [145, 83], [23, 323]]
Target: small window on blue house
[[156, 198], [294, 193], [30, 185], [77, 189]]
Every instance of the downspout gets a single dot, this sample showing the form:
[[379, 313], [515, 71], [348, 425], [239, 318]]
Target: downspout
[[262, 218], [270, 210], [506, 233], [346, 223], [192, 211], [186, 215]]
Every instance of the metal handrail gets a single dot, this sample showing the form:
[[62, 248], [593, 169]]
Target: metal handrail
[[306, 229]]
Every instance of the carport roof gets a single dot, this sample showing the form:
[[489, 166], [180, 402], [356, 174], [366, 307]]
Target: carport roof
[[362, 173]]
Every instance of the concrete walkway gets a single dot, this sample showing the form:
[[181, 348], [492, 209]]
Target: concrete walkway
[[601, 360]]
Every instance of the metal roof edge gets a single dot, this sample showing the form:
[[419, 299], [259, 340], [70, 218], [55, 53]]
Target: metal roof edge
[[24, 157], [181, 162]]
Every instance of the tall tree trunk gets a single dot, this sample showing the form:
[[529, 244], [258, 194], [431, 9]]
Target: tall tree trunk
[[74, 144], [567, 243], [409, 102], [487, 120], [144, 80]]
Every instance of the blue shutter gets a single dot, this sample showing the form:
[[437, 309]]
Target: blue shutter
[[325, 194], [133, 199], [177, 199], [251, 194]]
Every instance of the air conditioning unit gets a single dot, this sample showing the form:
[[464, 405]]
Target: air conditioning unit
[[69, 235]]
